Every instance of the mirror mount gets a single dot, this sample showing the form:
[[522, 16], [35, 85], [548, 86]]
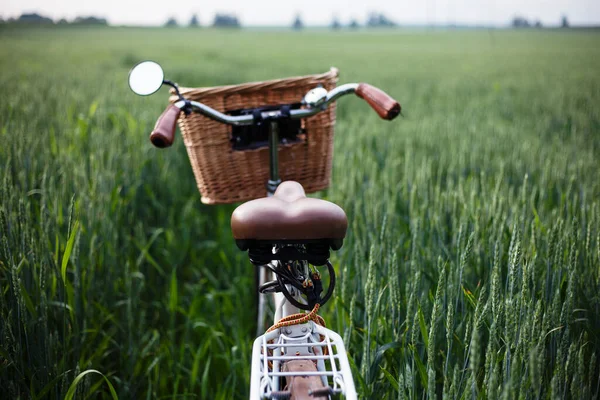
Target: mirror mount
[[174, 86], [187, 108]]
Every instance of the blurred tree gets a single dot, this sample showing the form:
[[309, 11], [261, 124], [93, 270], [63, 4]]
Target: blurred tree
[[354, 24], [335, 23], [298, 24], [62, 21], [171, 22], [90, 21], [194, 22], [538, 24], [34, 18], [564, 22], [520, 22], [226, 21], [378, 20]]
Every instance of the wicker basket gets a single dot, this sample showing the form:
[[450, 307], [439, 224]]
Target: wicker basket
[[224, 175]]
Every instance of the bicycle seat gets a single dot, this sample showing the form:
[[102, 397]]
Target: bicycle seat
[[289, 216]]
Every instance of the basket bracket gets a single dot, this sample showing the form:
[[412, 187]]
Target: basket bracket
[[258, 135]]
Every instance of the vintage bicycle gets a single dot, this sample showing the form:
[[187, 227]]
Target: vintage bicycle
[[229, 136]]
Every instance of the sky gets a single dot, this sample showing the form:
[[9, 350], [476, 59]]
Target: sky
[[314, 12]]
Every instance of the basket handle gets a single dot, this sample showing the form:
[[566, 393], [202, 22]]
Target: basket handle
[[164, 130], [380, 101]]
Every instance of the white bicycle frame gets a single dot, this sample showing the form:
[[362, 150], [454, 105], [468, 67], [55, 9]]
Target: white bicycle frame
[[297, 342]]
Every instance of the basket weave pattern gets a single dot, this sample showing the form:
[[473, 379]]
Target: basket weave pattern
[[224, 175]]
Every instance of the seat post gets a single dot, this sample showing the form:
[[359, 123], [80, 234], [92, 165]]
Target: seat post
[[274, 179]]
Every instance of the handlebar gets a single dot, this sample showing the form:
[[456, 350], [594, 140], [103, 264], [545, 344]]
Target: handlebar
[[164, 130], [380, 101]]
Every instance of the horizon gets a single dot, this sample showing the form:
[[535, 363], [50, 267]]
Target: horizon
[[344, 24], [265, 13]]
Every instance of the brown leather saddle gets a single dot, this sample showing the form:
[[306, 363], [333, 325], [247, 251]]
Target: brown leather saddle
[[288, 217]]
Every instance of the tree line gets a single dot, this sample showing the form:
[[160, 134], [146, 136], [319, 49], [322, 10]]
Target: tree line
[[380, 20], [37, 19], [223, 20], [220, 21], [374, 20], [522, 22]]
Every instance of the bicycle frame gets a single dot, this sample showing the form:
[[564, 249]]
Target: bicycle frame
[[283, 308], [300, 339]]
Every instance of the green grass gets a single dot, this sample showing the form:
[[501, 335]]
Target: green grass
[[472, 264]]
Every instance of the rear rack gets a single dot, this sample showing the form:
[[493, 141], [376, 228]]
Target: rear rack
[[300, 342]]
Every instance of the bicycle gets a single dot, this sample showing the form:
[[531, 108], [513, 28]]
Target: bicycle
[[287, 235]]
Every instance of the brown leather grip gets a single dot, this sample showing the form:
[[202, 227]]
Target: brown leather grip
[[380, 101], [164, 130]]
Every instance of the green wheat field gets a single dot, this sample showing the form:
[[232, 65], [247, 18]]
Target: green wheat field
[[471, 268]]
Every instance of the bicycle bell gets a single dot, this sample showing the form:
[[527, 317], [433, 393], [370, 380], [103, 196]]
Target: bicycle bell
[[316, 97]]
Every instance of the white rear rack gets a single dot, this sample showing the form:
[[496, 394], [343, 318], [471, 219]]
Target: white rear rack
[[300, 342]]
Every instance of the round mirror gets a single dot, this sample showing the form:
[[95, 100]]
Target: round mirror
[[146, 78]]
